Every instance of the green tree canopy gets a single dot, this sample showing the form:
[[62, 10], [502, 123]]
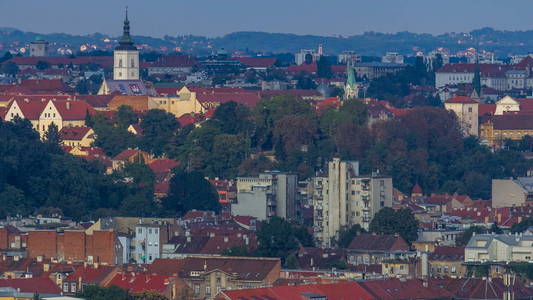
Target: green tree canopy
[[390, 221], [159, 129], [190, 191]]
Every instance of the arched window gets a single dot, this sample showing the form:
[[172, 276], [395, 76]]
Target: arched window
[[120, 63]]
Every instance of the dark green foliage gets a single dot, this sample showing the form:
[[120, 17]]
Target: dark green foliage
[[346, 235], [159, 129], [42, 65], [190, 191], [478, 271], [303, 236], [107, 293], [236, 251], [233, 118], [522, 225], [36, 176], [126, 116], [111, 137], [390, 221], [276, 238], [524, 269], [10, 68], [476, 81], [464, 237], [52, 139]]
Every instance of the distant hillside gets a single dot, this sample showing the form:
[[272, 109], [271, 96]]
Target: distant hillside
[[369, 43]]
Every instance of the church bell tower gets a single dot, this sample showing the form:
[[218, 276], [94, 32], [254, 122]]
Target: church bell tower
[[126, 56]]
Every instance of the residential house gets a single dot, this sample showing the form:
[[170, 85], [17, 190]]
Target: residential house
[[512, 192], [207, 276], [447, 261], [499, 248], [80, 136], [85, 276], [374, 249], [466, 109], [165, 285]]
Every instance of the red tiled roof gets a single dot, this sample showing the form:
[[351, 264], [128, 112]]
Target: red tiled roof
[[30, 109], [73, 133], [42, 85], [461, 99], [329, 102], [303, 68], [258, 62], [162, 187], [96, 100], [163, 165], [41, 285], [74, 110], [136, 283], [512, 122], [174, 61], [384, 242], [126, 154], [477, 288], [186, 119], [448, 253], [417, 189], [486, 109], [166, 266], [89, 274], [104, 61], [396, 289], [336, 291]]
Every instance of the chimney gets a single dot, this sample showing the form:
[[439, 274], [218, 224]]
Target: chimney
[[40, 258]]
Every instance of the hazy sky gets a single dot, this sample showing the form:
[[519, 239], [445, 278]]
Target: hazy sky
[[218, 17]]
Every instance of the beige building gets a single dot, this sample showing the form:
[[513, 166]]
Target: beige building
[[43, 113], [512, 192], [344, 198], [466, 109], [499, 248]]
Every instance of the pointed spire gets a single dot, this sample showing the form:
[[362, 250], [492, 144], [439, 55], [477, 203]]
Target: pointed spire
[[126, 43]]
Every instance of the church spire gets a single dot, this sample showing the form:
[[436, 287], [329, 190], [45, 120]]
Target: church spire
[[126, 43]]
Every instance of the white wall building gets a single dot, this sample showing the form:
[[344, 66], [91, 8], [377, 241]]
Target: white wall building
[[147, 243], [499, 248]]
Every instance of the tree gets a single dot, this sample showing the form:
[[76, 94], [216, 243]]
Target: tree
[[390, 221], [190, 191], [233, 118], [104, 293], [227, 154], [236, 251], [126, 116], [464, 237], [346, 235], [52, 139], [159, 127], [149, 295], [113, 139], [522, 225], [276, 238], [324, 68], [10, 68], [42, 65]]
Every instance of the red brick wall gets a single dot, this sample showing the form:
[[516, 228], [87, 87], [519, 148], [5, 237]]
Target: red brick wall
[[101, 245], [74, 245], [3, 239], [42, 243]]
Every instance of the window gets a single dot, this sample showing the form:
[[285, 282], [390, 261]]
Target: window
[[140, 230], [156, 231], [120, 63], [470, 109], [382, 203], [150, 231], [132, 64], [65, 287], [73, 287], [196, 289], [208, 290]]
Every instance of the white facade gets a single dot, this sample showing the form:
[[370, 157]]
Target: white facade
[[147, 243], [499, 248], [392, 58], [126, 65], [343, 198]]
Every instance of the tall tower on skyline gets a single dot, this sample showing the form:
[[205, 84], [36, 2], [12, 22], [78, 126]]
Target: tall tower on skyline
[[126, 56]]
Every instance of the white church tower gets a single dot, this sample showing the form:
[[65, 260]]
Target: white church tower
[[126, 56]]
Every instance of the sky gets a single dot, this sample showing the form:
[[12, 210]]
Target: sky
[[219, 17]]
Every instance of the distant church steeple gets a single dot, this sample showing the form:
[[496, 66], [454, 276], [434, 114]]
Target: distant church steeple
[[126, 55]]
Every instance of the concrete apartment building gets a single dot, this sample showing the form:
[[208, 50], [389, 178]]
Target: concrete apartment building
[[499, 248], [270, 194], [512, 192], [344, 198]]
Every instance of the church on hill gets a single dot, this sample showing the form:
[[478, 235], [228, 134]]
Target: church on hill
[[126, 71]]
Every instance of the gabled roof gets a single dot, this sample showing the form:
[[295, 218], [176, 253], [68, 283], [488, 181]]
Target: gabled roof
[[90, 274], [243, 268], [126, 154], [30, 109], [139, 103], [448, 253], [136, 283], [75, 133], [41, 285], [374, 242], [462, 99], [408, 289], [336, 291], [163, 165], [477, 288], [73, 110], [166, 266]]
